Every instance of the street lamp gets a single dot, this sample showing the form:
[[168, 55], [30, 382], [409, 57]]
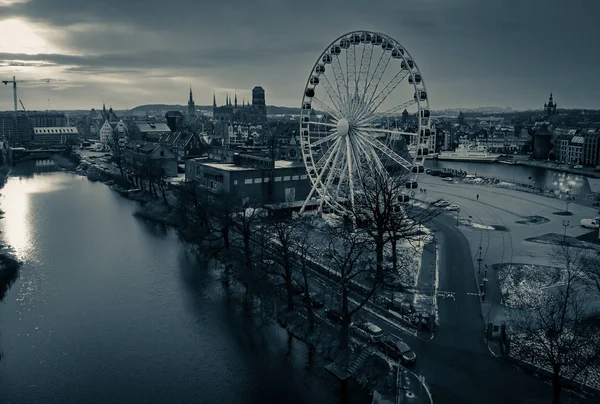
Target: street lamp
[[566, 224], [479, 261]]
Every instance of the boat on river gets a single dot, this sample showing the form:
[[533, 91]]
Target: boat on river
[[466, 152]]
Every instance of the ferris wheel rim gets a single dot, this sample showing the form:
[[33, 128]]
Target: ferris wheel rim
[[318, 183]]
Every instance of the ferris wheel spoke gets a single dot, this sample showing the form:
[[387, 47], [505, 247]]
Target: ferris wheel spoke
[[339, 79], [323, 106], [365, 66], [328, 124], [350, 166], [387, 90], [380, 115], [317, 181], [376, 143], [327, 155], [325, 139], [382, 130], [380, 69], [351, 73], [334, 95]]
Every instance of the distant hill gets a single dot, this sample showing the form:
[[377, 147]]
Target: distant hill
[[271, 109]]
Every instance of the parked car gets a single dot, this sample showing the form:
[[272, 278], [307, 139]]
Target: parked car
[[367, 331], [590, 223], [442, 203], [397, 349], [449, 179], [315, 300], [452, 207], [334, 316]]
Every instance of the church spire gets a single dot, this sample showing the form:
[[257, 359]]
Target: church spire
[[214, 100], [235, 100], [191, 96]]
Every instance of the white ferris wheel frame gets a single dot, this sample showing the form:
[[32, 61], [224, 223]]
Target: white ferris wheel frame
[[341, 153]]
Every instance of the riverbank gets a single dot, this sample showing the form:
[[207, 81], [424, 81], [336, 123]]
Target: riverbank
[[369, 370], [9, 265], [587, 172]]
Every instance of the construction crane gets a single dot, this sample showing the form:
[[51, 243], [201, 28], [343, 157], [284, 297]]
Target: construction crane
[[14, 82]]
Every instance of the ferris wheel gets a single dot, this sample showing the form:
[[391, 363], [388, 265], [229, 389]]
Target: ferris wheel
[[365, 113]]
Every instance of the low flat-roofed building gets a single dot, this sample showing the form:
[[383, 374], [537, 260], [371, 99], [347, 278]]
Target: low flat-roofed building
[[283, 181], [55, 135]]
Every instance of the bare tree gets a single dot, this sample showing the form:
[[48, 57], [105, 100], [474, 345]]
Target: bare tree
[[284, 231], [305, 250], [194, 206], [380, 210], [347, 249], [557, 330], [591, 269], [118, 154]]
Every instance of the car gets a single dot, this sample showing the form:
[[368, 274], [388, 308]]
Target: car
[[315, 300], [442, 203], [453, 207], [334, 316], [578, 166], [590, 223], [449, 179], [397, 349], [367, 331]]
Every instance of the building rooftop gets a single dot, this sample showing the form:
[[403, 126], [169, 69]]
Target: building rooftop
[[153, 127], [235, 167], [56, 130]]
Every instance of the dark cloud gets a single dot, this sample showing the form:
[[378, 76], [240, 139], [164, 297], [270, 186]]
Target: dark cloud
[[471, 52]]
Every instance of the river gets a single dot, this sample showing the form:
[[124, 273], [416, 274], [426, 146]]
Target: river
[[538, 176], [111, 309]]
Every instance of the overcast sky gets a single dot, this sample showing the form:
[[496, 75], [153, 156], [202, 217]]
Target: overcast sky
[[132, 52]]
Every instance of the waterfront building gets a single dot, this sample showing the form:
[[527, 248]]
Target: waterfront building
[[591, 148], [542, 143], [184, 144], [257, 177], [139, 154], [49, 136], [106, 133], [256, 113]]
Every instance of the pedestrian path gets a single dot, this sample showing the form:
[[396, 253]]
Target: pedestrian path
[[424, 299]]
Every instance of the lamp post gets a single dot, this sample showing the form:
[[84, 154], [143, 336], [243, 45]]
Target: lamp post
[[568, 201], [479, 261], [566, 224]]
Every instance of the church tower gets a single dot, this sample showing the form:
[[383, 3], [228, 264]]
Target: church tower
[[550, 107], [191, 105]]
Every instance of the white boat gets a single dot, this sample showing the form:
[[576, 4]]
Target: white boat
[[469, 153]]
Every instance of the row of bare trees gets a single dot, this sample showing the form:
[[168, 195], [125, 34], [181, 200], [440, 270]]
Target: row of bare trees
[[144, 172], [278, 254], [559, 330]]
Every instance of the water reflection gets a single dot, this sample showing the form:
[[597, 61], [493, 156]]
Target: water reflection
[[538, 176], [107, 307]]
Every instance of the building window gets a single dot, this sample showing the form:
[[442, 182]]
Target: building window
[[257, 180], [248, 181], [277, 179], [234, 182], [286, 178], [303, 177], [266, 179], [295, 178]]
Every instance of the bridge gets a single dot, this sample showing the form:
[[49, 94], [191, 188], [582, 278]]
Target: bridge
[[22, 154]]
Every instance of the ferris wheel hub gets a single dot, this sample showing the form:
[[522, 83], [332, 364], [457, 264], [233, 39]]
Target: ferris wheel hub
[[343, 127]]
